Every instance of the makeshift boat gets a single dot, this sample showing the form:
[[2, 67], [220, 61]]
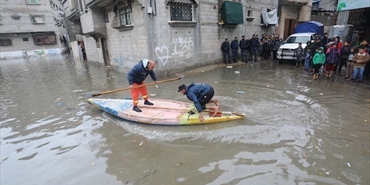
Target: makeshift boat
[[163, 112]]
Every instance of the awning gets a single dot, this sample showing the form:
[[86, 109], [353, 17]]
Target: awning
[[232, 13]]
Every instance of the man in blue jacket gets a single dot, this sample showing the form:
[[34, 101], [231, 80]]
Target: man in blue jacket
[[244, 45], [200, 94], [136, 78], [225, 48], [234, 48]]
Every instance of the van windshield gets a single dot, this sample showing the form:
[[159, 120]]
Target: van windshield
[[297, 39]]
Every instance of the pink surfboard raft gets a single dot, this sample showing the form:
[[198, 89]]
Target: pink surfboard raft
[[163, 112]]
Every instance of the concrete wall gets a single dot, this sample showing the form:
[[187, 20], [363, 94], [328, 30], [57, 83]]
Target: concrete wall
[[16, 30], [93, 21]]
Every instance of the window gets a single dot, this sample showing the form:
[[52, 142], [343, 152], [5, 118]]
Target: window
[[37, 19], [124, 13], [25, 39], [44, 39], [16, 18], [181, 11], [249, 13], [1, 20], [297, 39], [32, 1], [5, 42]]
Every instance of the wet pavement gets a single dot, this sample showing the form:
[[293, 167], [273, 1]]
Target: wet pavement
[[296, 132]]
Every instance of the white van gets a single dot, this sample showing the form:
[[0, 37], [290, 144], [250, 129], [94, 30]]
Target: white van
[[286, 51]]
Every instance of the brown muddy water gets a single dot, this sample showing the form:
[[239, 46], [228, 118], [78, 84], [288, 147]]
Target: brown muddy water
[[296, 132]]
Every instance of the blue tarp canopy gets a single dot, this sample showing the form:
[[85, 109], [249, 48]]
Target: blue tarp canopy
[[309, 27]]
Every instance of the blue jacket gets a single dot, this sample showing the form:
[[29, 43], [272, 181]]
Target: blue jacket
[[225, 47], [138, 74], [244, 44], [194, 92], [254, 42], [234, 44], [333, 56]]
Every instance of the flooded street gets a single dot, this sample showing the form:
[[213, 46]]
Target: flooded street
[[296, 132]]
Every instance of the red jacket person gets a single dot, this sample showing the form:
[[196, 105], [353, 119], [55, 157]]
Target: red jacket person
[[136, 78]]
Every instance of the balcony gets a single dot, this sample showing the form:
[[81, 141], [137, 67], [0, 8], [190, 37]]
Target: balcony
[[104, 3], [98, 3], [294, 2], [93, 22]]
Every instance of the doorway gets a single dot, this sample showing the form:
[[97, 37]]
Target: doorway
[[289, 27], [105, 51]]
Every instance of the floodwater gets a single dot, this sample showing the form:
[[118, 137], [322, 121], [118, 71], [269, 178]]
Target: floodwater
[[296, 131]]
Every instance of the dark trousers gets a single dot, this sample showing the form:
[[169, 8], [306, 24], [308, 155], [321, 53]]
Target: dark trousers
[[342, 61], [226, 55], [266, 54], [254, 52], [244, 55], [367, 71], [274, 54], [235, 54]]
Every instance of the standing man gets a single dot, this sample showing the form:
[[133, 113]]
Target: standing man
[[244, 44], [136, 78], [234, 48], [298, 53], [254, 46], [200, 94], [325, 39], [225, 48]]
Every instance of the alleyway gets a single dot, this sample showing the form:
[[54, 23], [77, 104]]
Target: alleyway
[[296, 132]]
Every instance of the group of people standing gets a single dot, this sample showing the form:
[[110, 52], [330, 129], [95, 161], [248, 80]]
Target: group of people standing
[[331, 55], [254, 48]]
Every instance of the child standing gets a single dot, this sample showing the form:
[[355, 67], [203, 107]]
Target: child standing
[[333, 58], [308, 57], [318, 60], [349, 68], [359, 62], [298, 53]]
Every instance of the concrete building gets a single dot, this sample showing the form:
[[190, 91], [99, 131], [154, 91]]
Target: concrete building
[[325, 12], [178, 34], [355, 13], [32, 28], [291, 13]]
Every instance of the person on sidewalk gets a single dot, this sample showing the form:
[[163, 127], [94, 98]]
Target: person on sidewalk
[[308, 56], [136, 78], [344, 52], [234, 48], [359, 62], [349, 68], [318, 60], [298, 53], [244, 45], [200, 94], [333, 58], [225, 48]]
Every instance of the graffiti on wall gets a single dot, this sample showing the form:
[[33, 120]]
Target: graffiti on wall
[[182, 47], [39, 52], [120, 60]]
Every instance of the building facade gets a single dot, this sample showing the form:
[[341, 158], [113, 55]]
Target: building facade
[[32, 28], [291, 13], [355, 13], [178, 34]]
